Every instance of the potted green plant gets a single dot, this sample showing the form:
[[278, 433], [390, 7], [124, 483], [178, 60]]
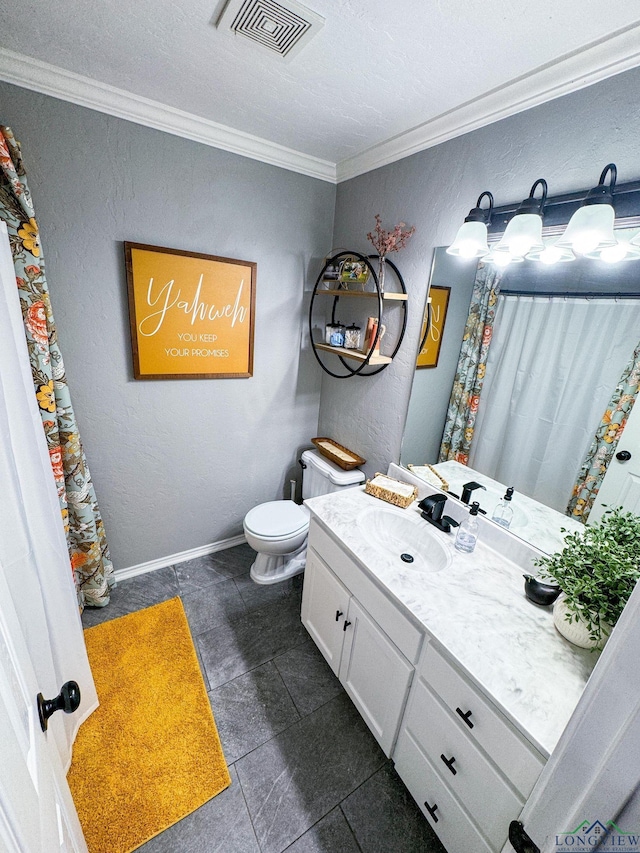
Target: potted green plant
[[597, 570]]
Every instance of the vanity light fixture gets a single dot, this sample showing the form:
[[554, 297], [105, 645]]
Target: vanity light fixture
[[590, 229], [471, 239], [523, 233]]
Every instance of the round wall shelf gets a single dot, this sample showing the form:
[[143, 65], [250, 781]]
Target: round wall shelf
[[382, 300]]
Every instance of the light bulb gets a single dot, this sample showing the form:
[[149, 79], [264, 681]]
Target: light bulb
[[519, 246], [550, 255], [467, 249], [585, 243], [501, 259], [613, 254]]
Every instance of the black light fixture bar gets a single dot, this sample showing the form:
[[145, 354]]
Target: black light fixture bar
[[559, 209]]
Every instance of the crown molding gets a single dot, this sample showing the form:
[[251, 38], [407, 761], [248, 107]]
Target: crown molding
[[48, 79], [604, 58], [597, 61]]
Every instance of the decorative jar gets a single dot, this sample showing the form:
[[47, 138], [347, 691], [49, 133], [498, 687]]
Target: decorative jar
[[352, 337], [337, 335]]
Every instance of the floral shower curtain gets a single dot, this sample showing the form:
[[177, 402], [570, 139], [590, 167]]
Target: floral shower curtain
[[467, 385], [88, 549], [605, 441]]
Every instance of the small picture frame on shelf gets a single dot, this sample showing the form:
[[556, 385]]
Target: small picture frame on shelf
[[353, 271]]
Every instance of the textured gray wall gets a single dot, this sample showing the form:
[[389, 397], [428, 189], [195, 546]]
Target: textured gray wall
[[176, 464], [567, 141]]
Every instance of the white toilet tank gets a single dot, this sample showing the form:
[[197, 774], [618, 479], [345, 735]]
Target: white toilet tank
[[321, 476]]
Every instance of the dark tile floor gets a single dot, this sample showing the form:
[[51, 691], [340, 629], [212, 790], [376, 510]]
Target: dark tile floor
[[307, 775]]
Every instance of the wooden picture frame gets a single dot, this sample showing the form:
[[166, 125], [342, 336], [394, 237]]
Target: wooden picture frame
[[430, 352], [192, 315]]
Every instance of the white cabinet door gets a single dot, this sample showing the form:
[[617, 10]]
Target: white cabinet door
[[325, 602], [375, 674]]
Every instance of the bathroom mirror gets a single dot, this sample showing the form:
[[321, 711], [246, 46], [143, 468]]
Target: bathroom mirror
[[610, 305]]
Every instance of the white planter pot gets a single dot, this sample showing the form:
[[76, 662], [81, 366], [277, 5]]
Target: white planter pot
[[576, 632]]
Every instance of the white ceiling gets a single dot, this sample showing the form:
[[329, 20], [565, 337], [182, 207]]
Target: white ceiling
[[380, 80]]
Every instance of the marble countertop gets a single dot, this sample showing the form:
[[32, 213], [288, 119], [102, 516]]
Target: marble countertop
[[477, 610]]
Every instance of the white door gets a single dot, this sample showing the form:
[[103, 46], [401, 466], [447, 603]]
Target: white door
[[36, 809], [324, 609], [41, 641], [375, 674], [621, 484], [592, 779]]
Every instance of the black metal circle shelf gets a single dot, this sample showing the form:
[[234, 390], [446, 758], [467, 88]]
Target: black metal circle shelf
[[395, 297]]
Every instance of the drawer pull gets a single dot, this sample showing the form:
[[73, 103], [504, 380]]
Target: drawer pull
[[465, 717], [449, 763], [339, 613], [432, 811], [346, 625]]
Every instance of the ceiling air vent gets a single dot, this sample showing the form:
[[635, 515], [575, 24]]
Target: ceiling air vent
[[282, 28]]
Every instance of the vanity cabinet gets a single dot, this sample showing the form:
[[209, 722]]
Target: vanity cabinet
[[466, 765], [337, 605]]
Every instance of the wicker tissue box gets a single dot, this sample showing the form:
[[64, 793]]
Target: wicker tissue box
[[393, 491]]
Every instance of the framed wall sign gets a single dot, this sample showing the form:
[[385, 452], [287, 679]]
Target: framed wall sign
[[430, 352], [192, 315]]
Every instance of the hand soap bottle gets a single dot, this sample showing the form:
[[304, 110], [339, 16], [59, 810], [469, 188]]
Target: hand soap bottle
[[503, 513], [467, 535]]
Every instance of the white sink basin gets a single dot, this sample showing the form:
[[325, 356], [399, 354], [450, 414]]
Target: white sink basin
[[396, 532]]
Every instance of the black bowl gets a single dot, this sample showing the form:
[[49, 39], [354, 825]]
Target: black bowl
[[539, 592]]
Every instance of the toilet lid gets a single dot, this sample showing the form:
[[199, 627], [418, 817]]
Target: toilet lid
[[276, 519]]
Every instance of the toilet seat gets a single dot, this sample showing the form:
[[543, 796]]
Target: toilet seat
[[276, 520]]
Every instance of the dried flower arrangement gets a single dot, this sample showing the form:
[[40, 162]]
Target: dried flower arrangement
[[385, 241]]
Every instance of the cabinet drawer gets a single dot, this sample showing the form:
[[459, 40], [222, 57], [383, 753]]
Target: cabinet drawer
[[406, 636], [452, 824], [483, 722], [482, 789]]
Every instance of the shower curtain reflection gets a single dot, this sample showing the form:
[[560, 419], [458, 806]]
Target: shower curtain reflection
[[552, 365]]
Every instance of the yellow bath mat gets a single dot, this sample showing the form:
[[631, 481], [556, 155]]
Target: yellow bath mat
[[150, 754]]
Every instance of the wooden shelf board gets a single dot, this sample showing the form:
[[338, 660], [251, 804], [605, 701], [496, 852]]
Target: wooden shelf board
[[354, 354], [389, 296]]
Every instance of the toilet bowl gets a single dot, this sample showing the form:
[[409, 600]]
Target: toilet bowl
[[278, 530]]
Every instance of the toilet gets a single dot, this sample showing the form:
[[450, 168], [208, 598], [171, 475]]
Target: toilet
[[278, 530]]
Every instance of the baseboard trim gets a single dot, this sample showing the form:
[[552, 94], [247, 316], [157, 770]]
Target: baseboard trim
[[180, 557]]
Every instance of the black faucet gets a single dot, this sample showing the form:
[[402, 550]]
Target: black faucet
[[468, 489], [432, 508]]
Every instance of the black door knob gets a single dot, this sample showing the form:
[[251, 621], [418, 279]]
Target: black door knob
[[623, 455], [68, 700]]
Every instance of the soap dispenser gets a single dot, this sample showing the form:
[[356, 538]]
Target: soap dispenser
[[503, 513], [468, 531]]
